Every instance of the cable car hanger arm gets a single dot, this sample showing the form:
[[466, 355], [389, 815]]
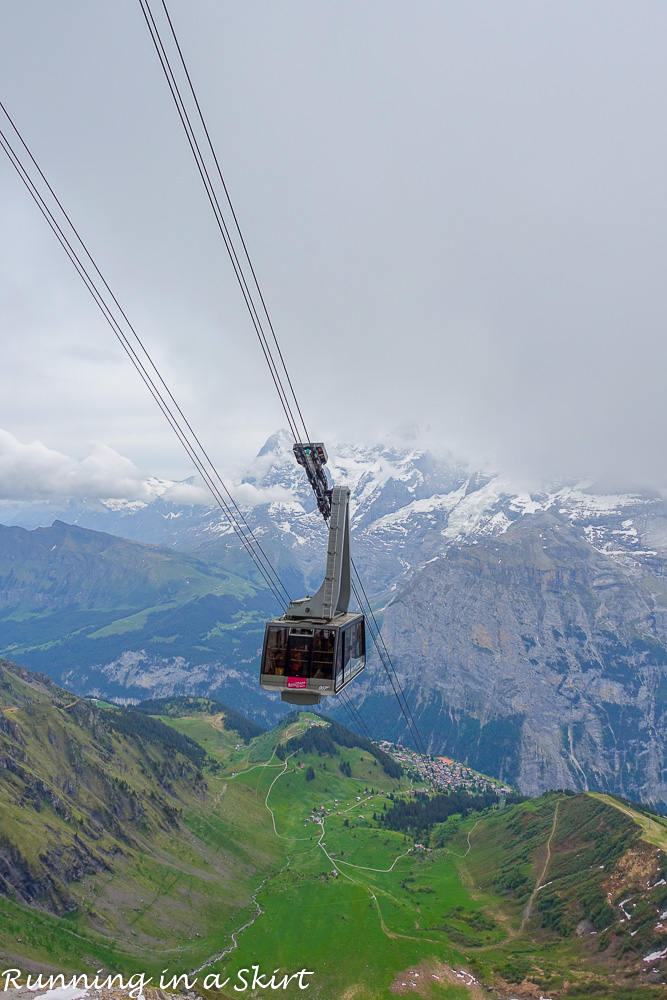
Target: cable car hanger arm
[[333, 596], [313, 458]]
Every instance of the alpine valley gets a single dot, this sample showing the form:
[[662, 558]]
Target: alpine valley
[[528, 630], [178, 838]]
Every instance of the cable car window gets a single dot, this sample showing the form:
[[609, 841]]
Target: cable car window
[[346, 653], [354, 652], [323, 650], [298, 656], [276, 650]]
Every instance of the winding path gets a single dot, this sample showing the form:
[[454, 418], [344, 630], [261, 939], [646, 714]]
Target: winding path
[[266, 803], [470, 832], [540, 882], [367, 869], [335, 864]]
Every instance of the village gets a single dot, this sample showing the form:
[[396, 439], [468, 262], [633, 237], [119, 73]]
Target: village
[[442, 772]]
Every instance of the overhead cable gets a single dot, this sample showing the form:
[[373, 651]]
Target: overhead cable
[[387, 663], [236, 223], [354, 714], [383, 656], [236, 248], [252, 294], [346, 705]]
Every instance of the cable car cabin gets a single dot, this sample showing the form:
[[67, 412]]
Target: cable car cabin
[[306, 659]]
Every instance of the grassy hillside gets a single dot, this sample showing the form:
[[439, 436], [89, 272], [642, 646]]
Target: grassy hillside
[[138, 842], [67, 565], [113, 843], [577, 882], [180, 707]]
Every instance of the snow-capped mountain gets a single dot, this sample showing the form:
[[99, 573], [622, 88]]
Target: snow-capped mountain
[[528, 629], [408, 506]]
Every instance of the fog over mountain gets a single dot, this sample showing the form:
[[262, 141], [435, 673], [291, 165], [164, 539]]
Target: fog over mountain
[[456, 213]]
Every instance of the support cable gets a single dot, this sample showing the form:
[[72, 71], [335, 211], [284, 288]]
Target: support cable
[[412, 723], [236, 222], [209, 187], [346, 705], [357, 720], [376, 637]]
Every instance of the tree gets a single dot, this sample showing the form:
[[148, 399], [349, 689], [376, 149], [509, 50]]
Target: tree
[[310, 774]]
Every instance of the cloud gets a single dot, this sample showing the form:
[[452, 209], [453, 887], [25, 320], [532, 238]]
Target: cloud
[[487, 258], [244, 494], [34, 471], [252, 496], [193, 492]]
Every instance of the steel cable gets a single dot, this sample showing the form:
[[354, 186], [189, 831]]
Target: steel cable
[[236, 222], [421, 749], [249, 541], [354, 713], [219, 215], [376, 637]]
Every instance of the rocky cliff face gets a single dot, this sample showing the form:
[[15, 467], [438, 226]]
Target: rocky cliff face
[[540, 658]]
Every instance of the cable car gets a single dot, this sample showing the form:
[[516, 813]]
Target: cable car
[[318, 647], [312, 659]]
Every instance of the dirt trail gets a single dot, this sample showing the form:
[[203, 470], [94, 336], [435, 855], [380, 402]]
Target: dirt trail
[[220, 794], [13, 709], [529, 908], [470, 832]]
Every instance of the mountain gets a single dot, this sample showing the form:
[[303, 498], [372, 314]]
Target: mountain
[[384, 481], [527, 629], [537, 658], [122, 619], [408, 505], [133, 843]]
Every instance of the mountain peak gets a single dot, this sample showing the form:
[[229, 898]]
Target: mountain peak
[[279, 443], [407, 432]]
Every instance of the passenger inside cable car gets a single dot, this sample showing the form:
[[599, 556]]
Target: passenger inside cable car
[[275, 652]]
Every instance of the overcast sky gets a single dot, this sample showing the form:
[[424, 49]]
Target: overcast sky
[[457, 213]]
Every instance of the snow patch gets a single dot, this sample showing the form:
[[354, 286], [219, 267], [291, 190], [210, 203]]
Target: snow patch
[[655, 956]]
